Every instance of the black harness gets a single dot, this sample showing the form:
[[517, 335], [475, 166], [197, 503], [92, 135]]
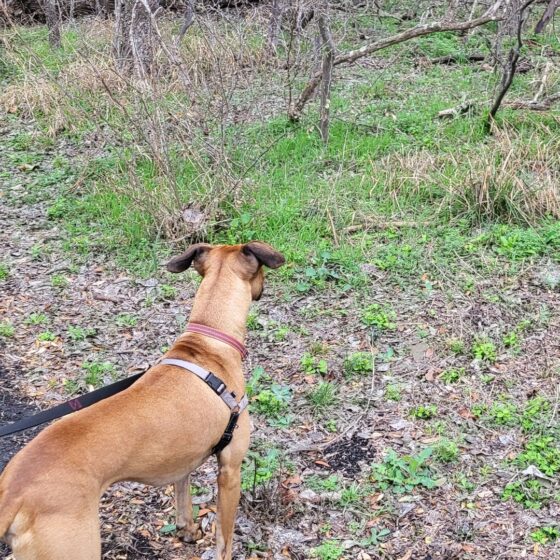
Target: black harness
[[83, 401]]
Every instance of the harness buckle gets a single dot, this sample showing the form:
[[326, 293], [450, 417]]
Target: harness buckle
[[215, 383]]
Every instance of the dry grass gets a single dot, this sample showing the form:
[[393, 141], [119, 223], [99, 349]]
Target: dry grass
[[513, 177]]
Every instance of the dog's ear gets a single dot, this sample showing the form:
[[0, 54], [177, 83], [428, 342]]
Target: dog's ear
[[180, 263], [264, 253]]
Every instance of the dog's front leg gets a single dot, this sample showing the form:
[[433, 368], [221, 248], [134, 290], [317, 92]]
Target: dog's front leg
[[186, 527]]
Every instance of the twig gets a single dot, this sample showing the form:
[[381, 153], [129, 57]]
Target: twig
[[542, 81]]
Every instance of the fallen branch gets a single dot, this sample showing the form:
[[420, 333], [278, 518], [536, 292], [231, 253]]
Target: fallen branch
[[385, 225], [296, 109], [543, 105], [453, 59]]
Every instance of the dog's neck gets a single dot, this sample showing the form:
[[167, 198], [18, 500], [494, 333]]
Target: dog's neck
[[222, 306]]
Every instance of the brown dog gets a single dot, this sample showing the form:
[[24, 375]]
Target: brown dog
[[156, 432]]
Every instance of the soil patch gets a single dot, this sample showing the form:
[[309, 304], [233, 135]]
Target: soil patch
[[348, 455]]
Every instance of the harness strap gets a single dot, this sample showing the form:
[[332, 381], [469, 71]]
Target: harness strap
[[220, 388]]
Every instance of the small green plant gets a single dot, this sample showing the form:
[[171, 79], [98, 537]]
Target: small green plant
[[351, 495], [126, 320], [446, 451], [96, 371], [535, 413], [383, 318], [323, 396], [424, 412], [4, 271], [503, 414], [272, 402], [46, 336], [7, 330], [511, 340], [402, 474], [331, 426], [256, 381], [167, 292], [376, 537], [452, 375], [281, 333], [543, 452], [59, 281], [544, 535], [36, 319], [313, 365], [259, 468], [484, 350], [329, 550], [79, 333], [253, 321], [529, 494], [456, 345], [324, 484], [393, 393], [358, 362]]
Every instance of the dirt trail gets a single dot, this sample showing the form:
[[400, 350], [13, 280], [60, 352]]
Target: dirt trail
[[129, 321]]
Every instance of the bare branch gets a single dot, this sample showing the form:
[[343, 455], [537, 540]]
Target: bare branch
[[509, 72], [418, 31]]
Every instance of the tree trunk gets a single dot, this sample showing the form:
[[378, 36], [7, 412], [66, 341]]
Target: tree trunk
[[142, 37], [328, 61], [52, 16], [188, 20], [553, 5], [274, 26], [121, 45]]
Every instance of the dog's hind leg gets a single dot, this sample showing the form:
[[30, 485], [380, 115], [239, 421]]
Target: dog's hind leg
[[59, 537], [187, 528]]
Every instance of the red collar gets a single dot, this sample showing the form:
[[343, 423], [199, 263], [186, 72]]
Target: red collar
[[218, 335]]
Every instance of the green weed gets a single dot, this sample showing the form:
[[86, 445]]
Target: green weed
[[323, 484], [257, 469], [96, 371], [329, 550], [77, 333], [36, 319], [402, 474], [7, 330], [323, 396], [46, 336], [358, 363], [59, 281], [272, 402], [313, 365], [126, 320], [446, 451], [452, 375], [383, 318], [424, 412], [393, 393], [4, 271], [484, 350], [545, 535]]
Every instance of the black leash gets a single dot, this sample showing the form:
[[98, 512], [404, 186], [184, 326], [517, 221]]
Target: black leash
[[83, 401], [70, 406]]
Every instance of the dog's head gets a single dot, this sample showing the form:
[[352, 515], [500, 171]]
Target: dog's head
[[244, 261]]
